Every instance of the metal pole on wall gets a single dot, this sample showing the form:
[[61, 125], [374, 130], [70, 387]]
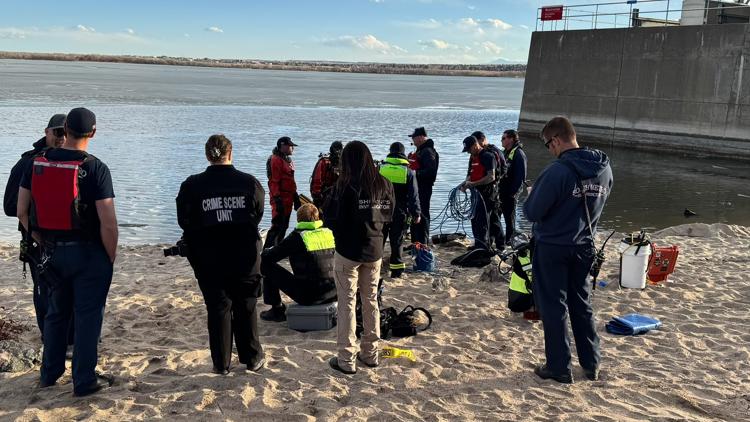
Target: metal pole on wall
[[630, 24], [596, 16], [666, 19]]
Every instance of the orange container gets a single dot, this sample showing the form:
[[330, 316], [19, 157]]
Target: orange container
[[662, 263]]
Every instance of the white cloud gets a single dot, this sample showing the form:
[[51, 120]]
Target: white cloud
[[470, 25], [13, 34], [491, 47], [424, 24], [79, 33], [523, 26], [366, 42], [186, 35], [437, 44], [130, 31], [497, 23], [215, 29]]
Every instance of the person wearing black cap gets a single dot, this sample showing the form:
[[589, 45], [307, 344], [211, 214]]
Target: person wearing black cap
[[396, 170], [283, 190], [325, 174], [481, 177], [54, 137], [511, 185], [497, 236], [78, 230], [424, 161], [219, 211]]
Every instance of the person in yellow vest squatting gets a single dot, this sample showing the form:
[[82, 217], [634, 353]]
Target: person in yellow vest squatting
[[520, 297], [396, 170], [310, 248]]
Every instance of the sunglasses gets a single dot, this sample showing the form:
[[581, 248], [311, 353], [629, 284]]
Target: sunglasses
[[552, 138], [59, 132]]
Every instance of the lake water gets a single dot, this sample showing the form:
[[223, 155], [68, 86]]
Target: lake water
[[154, 120]]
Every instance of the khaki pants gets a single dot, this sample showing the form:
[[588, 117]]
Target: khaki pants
[[352, 276]]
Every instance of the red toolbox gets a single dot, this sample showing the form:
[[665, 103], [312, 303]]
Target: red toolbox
[[662, 264]]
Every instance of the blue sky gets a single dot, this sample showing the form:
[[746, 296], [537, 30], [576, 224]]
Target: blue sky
[[403, 31]]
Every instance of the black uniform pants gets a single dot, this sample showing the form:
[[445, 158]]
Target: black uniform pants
[[485, 226], [230, 304], [394, 231], [304, 292], [560, 288], [277, 232], [83, 276], [41, 302], [421, 232], [508, 207]]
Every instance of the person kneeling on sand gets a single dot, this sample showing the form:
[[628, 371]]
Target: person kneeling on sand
[[310, 248]]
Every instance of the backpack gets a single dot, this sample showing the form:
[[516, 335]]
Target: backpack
[[475, 258], [398, 324], [55, 195]]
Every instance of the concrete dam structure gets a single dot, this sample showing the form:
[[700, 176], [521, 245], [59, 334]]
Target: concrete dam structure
[[669, 88]]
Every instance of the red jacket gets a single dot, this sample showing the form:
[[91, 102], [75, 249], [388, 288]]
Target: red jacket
[[281, 183]]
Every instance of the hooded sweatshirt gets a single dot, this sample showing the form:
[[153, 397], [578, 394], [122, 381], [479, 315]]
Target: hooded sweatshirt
[[555, 205]]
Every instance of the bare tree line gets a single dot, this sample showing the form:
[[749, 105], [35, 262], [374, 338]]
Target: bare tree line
[[491, 70]]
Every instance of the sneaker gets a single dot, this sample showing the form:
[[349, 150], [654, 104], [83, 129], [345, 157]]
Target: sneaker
[[334, 363], [274, 314], [257, 366], [545, 374], [367, 364], [591, 374]]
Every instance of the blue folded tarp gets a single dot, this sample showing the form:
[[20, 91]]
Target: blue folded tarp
[[632, 324]]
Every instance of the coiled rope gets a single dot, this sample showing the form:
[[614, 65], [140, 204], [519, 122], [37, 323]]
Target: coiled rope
[[460, 207]]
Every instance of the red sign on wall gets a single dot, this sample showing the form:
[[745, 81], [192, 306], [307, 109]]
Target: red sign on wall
[[552, 13]]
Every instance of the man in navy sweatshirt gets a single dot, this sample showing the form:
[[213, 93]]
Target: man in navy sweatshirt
[[564, 248]]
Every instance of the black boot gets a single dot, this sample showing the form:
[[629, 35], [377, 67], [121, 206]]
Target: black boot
[[274, 314]]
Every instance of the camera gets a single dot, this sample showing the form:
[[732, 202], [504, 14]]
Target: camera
[[180, 249]]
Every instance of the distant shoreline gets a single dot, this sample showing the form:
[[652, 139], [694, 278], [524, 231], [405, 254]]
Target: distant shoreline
[[489, 70]]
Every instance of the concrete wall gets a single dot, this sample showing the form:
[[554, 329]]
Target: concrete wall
[[685, 88]]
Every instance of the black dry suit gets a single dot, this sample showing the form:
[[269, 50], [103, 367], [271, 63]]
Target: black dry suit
[[396, 170]]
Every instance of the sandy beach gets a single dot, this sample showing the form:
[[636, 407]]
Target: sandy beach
[[474, 363]]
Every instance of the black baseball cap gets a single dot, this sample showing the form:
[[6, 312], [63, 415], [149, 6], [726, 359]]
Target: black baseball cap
[[336, 147], [418, 132], [56, 122], [285, 140], [397, 148], [468, 142], [81, 120]]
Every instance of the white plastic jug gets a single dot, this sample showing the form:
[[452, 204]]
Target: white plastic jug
[[634, 264]]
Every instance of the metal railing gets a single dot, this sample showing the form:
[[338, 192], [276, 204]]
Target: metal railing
[[627, 14]]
